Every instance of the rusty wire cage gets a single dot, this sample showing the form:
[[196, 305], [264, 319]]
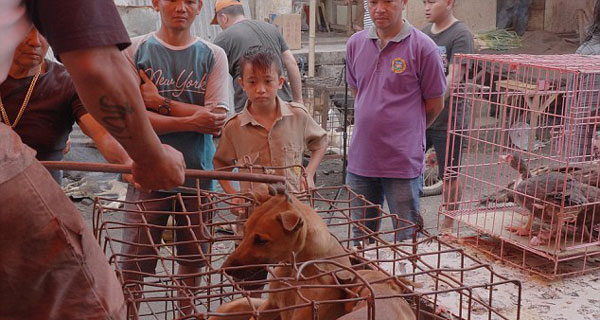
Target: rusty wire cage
[[527, 130], [438, 281]]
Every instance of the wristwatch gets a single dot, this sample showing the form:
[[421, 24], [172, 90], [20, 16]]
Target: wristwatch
[[165, 108]]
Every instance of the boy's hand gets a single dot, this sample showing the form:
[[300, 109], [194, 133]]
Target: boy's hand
[[308, 183], [236, 210], [206, 121], [152, 99]]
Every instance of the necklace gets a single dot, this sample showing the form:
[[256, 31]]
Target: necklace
[[23, 106]]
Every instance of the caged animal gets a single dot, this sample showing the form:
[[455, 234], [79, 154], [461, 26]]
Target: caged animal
[[554, 196]]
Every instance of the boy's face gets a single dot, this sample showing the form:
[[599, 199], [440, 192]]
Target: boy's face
[[435, 10], [177, 14], [260, 86]]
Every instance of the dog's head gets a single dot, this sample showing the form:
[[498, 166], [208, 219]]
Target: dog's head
[[272, 233]]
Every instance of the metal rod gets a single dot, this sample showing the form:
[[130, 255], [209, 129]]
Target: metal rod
[[189, 173], [311, 37]]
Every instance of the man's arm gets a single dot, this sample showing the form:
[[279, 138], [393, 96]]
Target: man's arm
[[293, 75], [451, 69], [433, 108], [203, 121], [112, 151], [110, 93]]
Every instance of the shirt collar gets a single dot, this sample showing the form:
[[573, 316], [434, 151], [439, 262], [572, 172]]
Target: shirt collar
[[404, 32], [247, 118]]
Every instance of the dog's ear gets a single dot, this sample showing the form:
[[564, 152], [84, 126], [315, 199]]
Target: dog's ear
[[290, 221]]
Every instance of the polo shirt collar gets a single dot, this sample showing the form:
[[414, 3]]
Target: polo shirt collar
[[404, 32], [247, 118]]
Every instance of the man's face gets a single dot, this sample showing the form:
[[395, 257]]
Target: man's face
[[260, 86], [31, 51], [177, 14], [435, 9], [386, 13]]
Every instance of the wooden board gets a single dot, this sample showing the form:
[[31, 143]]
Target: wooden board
[[561, 15], [289, 26], [482, 19], [536, 17]]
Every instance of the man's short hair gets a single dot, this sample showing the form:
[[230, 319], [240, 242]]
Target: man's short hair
[[233, 11], [260, 58]]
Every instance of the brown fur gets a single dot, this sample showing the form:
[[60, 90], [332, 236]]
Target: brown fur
[[383, 285], [283, 225]]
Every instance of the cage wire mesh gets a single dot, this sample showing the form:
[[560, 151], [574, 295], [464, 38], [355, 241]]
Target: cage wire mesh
[[527, 128], [432, 278]]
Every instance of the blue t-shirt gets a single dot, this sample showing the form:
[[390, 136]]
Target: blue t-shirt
[[193, 74]]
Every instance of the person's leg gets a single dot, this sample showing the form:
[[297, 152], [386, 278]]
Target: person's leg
[[371, 189], [403, 198], [452, 185], [139, 239], [52, 266], [190, 254]]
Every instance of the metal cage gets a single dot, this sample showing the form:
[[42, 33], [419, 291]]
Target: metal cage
[[438, 281], [527, 128]]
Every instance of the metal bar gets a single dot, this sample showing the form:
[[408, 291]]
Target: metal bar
[[189, 173]]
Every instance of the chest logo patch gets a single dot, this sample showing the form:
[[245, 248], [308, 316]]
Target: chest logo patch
[[398, 65]]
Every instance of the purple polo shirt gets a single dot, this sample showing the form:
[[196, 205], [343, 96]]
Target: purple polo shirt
[[392, 83]]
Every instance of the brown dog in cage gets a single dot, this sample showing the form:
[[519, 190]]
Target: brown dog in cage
[[280, 227], [383, 286]]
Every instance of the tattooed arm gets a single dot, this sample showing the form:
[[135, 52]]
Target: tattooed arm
[[110, 93]]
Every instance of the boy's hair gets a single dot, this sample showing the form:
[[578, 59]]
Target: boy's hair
[[260, 58]]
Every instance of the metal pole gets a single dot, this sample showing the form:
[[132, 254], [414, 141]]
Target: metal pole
[[189, 173], [311, 37], [345, 134]]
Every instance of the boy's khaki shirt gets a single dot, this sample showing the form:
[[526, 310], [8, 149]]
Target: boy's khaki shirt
[[245, 142]]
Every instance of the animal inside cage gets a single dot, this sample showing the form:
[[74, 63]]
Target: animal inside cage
[[420, 279], [527, 128]]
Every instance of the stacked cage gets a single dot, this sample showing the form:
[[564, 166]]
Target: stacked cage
[[331, 104], [527, 128], [429, 279]]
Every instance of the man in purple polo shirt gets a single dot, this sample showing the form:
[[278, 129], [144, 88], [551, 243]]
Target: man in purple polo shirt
[[396, 73]]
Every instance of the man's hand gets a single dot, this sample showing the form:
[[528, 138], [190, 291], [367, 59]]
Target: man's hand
[[152, 99], [166, 172], [206, 121]]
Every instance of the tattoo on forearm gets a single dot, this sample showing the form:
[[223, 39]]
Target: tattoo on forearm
[[114, 118]]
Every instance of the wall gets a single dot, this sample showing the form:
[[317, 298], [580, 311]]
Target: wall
[[479, 15], [264, 8]]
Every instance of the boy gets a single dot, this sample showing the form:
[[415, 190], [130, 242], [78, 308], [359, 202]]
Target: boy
[[269, 132], [452, 36]]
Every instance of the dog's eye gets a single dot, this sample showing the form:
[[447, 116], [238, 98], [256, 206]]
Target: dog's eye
[[259, 240]]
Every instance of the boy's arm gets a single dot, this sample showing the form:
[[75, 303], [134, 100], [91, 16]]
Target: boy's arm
[[316, 157], [316, 141]]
